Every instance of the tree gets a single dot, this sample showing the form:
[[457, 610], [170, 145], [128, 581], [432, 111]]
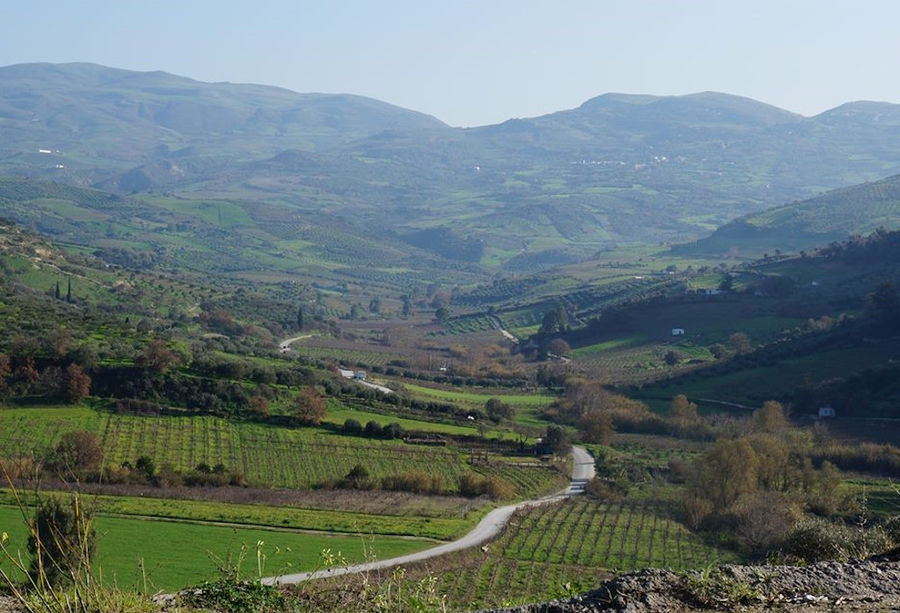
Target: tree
[[375, 305], [57, 294], [739, 342], [442, 314], [884, 304], [727, 283], [497, 410], [78, 451], [770, 418], [557, 441], [597, 427], [26, 374], [157, 357], [69, 291], [682, 410], [310, 407], [726, 472], [77, 383], [407, 307], [259, 404], [555, 320], [147, 467], [62, 541], [672, 358], [5, 370], [300, 318], [558, 347]]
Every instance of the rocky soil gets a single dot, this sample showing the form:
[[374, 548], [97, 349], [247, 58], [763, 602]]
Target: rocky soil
[[872, 585]]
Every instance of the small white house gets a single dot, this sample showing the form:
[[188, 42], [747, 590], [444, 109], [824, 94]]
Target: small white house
[[360, 375], [826, 411], [677, 331]]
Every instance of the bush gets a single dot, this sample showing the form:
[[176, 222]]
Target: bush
[[604, 489], [352, 426], [62, 541], [418, 482], [817, 540], [76, 452], [473, 485]]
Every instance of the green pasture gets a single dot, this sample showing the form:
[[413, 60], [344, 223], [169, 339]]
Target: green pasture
[[338, 414], [177, 554], [278, 517]]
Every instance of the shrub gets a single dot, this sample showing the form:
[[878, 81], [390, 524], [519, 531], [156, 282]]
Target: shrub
[[473, 485], [62, 541], [418, 482], [817, 540], [352, 426], [77, 451]]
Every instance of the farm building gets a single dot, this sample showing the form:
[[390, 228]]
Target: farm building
[[826, 411], [677, 331]]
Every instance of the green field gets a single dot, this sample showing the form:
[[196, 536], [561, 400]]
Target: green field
[[178, 554], [338, 414], [258, 515]]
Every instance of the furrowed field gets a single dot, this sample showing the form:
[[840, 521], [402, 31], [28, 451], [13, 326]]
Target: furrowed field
[[266, 455]]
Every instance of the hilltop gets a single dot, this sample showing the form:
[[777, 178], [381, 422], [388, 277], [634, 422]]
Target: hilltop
[[525, 194]]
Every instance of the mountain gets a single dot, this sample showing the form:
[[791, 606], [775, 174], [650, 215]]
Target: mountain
[[532, 191], [811, 223], [113, 118]]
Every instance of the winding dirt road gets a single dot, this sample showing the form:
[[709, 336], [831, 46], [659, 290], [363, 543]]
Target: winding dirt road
[[488, 528]]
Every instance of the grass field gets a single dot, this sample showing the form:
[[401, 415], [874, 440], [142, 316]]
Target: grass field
[[339, 414], [178, 554], [292, 518], [297, 458], [527, 406]]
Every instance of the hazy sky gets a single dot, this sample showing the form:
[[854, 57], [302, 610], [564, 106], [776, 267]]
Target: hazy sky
[[472, 63]]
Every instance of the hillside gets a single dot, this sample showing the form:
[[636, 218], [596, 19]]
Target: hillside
[[526, 194], [833, 216]]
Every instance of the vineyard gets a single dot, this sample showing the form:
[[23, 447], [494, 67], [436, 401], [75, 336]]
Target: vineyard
[[280, 457], [625, 535], [567, 548]]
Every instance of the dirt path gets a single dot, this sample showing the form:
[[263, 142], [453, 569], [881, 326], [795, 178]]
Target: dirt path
[[488, 528], [285, 345], [499, 327]]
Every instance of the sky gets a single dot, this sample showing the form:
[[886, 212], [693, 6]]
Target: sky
[[480, 62]]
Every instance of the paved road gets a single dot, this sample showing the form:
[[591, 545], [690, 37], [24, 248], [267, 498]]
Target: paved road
[[488, 528]]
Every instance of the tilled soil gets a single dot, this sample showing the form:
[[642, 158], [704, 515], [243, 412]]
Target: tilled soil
[[826, 586]]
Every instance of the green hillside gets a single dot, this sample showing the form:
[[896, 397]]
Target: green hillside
[[523, 195], [833, 216]]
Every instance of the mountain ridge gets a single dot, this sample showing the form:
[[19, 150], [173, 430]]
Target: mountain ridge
[[630, 168]]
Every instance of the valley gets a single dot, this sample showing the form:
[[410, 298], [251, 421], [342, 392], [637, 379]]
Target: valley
[[261, 335]]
